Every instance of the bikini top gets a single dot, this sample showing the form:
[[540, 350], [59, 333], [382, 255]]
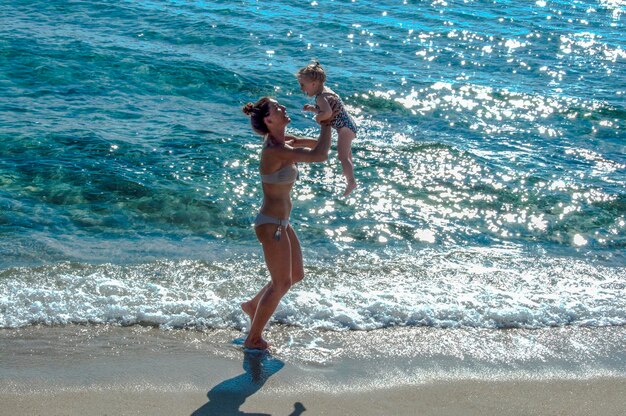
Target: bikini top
[[287, 174]]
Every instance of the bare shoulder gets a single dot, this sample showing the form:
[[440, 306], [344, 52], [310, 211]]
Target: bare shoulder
[[297, 141], [281, 152], [331, 97], [329, 93], [272, 152], [292, 138], [319, 98]]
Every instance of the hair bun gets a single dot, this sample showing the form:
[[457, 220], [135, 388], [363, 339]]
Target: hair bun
[[248, 109]]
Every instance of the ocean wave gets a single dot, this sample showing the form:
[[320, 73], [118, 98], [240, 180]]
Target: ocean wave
[[488, 288], [123, 141]]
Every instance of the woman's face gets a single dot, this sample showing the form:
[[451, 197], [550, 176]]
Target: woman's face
[[278, 114]]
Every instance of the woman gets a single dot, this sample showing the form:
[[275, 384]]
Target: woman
[[279, 172]]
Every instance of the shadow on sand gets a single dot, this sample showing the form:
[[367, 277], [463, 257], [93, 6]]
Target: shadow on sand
[[226, 398]]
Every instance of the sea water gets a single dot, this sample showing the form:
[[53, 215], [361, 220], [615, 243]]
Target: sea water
[[490, 159]]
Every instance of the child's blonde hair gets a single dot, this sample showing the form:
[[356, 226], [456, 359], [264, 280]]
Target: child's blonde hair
[[313, 72]]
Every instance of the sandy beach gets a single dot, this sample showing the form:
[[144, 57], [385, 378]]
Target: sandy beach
[[104, 370], [591, 397]]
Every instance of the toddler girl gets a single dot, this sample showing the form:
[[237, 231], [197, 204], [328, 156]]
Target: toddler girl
[[329, 107]]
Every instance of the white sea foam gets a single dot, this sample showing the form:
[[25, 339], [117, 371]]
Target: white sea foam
[[486, 288]]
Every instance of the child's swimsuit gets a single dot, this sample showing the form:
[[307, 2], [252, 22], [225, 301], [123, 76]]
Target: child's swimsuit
[[340, 117]]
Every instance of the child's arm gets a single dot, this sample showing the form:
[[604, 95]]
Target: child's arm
[[325, 111]]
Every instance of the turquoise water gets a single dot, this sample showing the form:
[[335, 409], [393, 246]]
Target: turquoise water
[[491, 161]]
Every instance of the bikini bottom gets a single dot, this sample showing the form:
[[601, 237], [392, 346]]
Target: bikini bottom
[[266, 219]]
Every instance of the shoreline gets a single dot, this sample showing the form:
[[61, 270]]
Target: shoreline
[[83, 370]]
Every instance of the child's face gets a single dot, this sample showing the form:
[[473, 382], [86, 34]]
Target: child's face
[[308, 86]]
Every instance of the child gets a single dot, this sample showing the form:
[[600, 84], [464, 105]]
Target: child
[[329, 107]]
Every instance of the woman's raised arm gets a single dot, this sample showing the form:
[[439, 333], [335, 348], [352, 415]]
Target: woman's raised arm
[[317, 153]]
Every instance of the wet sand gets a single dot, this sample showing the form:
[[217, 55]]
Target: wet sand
[[97, 370]]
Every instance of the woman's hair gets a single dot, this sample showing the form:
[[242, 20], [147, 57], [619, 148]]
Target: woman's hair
[[257, 113], [312, 71]]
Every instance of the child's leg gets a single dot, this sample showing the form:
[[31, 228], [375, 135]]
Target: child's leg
[[344, 152]]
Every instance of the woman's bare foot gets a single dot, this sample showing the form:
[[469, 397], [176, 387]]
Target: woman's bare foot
[[248, 309], [256, 344], [350, 187]]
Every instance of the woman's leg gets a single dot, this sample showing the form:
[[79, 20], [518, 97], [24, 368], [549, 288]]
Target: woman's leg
[[344, 152], [297, 273], [278, 259], [297, 266], [250, 306]]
